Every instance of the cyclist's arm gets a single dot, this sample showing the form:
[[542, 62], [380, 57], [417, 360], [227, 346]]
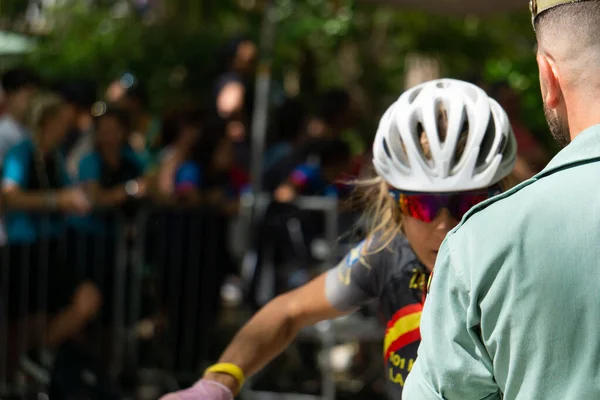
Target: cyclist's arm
[[338, 292], [274, 328]]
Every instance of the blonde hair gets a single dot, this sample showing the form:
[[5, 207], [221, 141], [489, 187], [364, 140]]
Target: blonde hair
[[42, 109], [384, 217]]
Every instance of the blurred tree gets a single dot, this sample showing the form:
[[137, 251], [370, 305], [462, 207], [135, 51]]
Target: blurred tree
[[364, 48], [174, 46]]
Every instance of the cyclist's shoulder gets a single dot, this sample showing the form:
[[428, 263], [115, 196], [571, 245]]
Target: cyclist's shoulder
[[387, 252]]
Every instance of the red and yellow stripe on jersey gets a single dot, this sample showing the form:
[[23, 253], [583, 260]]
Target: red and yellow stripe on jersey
[[403, 329]]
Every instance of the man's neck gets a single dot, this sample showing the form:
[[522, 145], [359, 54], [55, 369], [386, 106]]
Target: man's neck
[[584, 114]]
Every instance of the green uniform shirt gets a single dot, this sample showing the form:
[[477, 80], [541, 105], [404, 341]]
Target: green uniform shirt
[[514, 303]]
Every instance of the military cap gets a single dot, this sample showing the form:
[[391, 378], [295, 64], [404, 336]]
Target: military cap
[[539, 6]]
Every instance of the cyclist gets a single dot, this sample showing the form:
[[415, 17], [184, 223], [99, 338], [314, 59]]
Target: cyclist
[[442, 148]]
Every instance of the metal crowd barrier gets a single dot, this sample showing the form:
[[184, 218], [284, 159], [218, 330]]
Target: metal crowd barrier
[[159, 274], [181, 261], [261, 269], [38, 281]]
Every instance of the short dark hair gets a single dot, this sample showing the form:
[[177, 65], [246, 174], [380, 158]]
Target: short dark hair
[[81, 93], [333, 104], [290, 120], [334, 152], [582, 15], [122, 116], [230, 50], [19, 78]]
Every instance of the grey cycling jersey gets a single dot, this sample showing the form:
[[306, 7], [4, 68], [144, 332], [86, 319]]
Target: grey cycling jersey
[[396, 278]]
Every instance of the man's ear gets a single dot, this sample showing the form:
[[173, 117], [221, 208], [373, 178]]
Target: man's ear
[[549, 81]]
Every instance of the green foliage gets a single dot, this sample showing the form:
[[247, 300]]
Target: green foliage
[[176, 60], [358, 45]]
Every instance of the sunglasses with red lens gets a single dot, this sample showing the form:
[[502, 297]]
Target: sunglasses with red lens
[[426, 206]]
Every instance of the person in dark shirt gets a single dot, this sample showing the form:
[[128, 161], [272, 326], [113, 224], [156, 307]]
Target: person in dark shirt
[[234, 95], [233, 88], [79, 95]]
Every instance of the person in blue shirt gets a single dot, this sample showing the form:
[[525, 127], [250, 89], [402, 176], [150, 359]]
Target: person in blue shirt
[[180, 135], [145, 135], [112, 177], [37, 197], [112, 174]]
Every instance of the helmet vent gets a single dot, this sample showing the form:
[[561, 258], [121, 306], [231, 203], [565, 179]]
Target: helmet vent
[[394, 145], [423, 143], [413, 96], [441, 121], [386, 148], [461, 143], [486, 144], [503, 145]]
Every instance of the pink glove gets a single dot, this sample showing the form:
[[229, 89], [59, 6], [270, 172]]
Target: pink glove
[[204, 389]]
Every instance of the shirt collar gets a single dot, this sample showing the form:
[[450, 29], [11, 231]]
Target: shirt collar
[[585, 147]]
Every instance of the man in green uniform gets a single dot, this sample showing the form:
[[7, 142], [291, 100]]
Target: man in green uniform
[[513, 310]]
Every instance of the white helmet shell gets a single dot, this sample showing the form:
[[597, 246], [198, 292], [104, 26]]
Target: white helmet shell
[[476, 125]]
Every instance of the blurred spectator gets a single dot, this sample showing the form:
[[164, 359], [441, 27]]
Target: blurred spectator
[[37, 194], [112, 176], [210, 171], [145, 138], [333, 115], [80, 96], [181, 133], [234, 95], [319, 175], [112, 173], [20, 86], [531, 157], [234, 88], [289, 130], [307, 138], [186, 240], [336, 118]]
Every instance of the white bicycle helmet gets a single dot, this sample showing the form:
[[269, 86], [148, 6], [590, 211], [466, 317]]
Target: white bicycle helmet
[[476, 150]]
